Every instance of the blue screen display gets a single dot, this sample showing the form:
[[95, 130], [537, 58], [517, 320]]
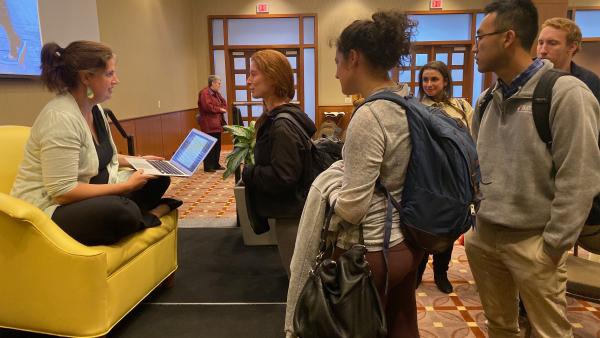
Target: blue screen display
[[20, 40], [193, 150]]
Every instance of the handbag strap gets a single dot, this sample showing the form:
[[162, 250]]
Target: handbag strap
[[387, 230], [325, 229]]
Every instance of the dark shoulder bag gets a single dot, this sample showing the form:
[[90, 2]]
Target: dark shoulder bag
[[339, 299]]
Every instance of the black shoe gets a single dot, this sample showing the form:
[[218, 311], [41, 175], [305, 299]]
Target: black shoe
[[172, 203], [210, 170], [220, 167], [442, 282]]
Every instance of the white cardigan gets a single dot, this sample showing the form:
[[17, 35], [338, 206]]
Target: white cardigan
[[59, 154]]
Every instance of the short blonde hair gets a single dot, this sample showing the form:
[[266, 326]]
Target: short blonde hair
[[568, 26]]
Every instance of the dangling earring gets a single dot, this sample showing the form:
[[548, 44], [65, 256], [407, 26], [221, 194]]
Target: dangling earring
[[90, 93]]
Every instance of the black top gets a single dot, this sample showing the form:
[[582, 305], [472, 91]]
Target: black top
[[103, 148], [275, 181], [587, 77]]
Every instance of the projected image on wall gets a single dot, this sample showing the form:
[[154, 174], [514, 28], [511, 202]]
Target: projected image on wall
[[20, 40]]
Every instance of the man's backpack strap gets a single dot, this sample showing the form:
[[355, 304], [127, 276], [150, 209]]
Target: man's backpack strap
[[485, 101], [542, 99]]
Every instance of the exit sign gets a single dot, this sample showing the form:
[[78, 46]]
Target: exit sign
[[262, 8], [435, 4]]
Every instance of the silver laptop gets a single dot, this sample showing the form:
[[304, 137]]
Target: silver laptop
[[184, 162]]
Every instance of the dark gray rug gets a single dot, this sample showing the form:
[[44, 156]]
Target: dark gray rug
[[214, 267], [197, 321]]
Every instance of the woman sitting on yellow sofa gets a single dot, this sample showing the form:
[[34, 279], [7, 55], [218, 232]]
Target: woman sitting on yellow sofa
[[70, 166]]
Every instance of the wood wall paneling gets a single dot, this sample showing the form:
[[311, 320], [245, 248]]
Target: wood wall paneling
[[120, 141], [158, 135], [171, 132], [148, 137]]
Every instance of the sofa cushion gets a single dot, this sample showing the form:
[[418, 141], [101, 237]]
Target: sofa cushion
[[122, 252], [583, 277]]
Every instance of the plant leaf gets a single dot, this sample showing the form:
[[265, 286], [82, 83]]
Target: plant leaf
[[234, 160]]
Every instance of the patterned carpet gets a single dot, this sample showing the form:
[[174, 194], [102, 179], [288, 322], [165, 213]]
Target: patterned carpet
[[205, 195], [460, 314], [209, 201]]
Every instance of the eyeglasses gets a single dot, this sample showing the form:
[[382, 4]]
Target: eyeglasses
[[478, 37]]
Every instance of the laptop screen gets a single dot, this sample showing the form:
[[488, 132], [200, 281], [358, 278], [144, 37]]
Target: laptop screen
[[193, 150]]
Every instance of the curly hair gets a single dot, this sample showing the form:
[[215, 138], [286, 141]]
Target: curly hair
[[385, 40]]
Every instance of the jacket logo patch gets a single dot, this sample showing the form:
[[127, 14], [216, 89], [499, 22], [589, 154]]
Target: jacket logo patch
[[524, 108]]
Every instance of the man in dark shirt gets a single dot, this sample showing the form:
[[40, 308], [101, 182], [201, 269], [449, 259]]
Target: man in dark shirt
[[559, 41]]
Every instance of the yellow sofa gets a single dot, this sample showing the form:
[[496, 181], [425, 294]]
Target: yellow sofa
[[50, 283]]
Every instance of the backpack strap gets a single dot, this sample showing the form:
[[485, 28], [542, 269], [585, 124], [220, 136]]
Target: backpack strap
[[542, 100], [291, 118], [485, 101]]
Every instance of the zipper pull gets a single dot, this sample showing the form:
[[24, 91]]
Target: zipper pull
[[472, 209]]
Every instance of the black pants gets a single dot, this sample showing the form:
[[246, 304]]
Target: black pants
[[105, 220], [212, 159], [441, 262]]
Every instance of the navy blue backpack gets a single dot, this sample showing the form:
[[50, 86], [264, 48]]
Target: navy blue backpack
[[441, 193]]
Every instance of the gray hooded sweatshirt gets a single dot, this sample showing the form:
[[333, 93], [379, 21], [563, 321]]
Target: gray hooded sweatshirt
[[526, 185]]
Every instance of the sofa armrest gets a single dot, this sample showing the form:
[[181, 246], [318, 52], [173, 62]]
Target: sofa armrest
[[23, 212], [45, 271]]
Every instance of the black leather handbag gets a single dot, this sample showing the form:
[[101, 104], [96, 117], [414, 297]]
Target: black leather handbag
[[339, 299]]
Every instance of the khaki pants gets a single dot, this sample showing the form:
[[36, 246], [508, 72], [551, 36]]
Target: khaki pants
[[286, 230], [505, 263]]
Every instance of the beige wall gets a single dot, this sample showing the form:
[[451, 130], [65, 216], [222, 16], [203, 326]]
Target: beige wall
[[156, 55], [333, 16]]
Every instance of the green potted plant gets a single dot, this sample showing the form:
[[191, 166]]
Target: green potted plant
[[244, 139]]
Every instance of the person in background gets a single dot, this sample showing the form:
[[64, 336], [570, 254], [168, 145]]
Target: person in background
[[536, 197], [277, 179], [211, 110], [377, 146], [435, 89], [558, 42], [70, 167]]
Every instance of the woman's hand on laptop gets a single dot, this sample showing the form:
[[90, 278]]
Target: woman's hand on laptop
[[138, 179]]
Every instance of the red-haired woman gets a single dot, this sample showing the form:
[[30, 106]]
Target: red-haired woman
[[276, 181]]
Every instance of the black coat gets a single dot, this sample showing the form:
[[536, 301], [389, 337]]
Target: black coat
[[276, 180]]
